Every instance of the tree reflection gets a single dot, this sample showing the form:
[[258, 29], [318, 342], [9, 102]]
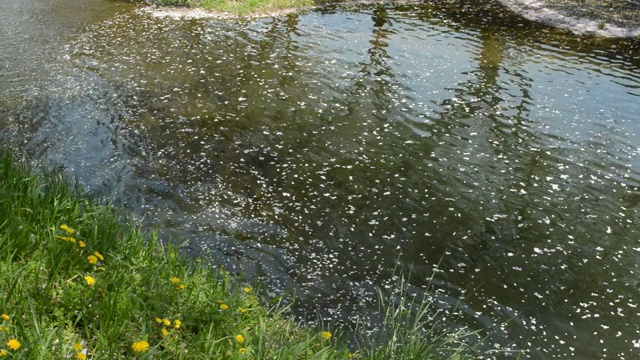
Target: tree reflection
[[376, 74]]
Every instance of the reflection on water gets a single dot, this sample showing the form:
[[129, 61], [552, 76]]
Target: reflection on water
[[321, 150]]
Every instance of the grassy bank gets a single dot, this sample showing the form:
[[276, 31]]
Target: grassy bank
[[241, 7], [80, 280]]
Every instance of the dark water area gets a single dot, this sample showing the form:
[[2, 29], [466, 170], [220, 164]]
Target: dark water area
[[497, 159]]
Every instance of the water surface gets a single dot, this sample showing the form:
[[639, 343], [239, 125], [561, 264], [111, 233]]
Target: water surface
[[319, 151]]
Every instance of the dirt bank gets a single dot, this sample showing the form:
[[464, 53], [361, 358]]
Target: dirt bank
[[610, 18]]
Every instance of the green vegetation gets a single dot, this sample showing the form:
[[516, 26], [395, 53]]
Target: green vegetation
[[80, 280], [241, 7]]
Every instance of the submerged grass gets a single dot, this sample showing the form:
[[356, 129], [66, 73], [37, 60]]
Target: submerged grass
[[79, 280]]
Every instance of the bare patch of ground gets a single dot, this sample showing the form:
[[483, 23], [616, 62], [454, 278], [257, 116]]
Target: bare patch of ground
[[610, 18]]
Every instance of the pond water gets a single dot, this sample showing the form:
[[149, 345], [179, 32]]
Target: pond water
[[319, 151]]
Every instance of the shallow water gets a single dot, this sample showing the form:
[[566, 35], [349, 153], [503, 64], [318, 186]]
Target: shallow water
[[319, 151]]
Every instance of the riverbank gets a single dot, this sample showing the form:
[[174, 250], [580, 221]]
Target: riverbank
[[225, 9], [611, 18], [81, 280]]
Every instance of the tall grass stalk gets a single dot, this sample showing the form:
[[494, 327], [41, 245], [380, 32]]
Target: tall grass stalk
[[411, 329]]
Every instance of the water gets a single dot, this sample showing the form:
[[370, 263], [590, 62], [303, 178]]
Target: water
[[320, 151]]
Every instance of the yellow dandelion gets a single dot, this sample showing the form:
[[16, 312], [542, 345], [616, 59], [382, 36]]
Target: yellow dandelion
[[77, 346], [242, 310], [81, 244], [242, 350], [66, 238], [1, 328], [175, 280], [166, 321], [350, 355], [181, 287], [5, 317], [159, 321], [81, 356], [3, 352], [240, 338], [101, 268], [99, 256], [224, 306], [164, 332], [90, 280], [325, 335], [67, 229], [14, 344], [92, 259], [177, 323], [140, 346], [247, 289]]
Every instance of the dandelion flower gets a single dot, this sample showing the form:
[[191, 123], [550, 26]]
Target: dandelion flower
[[166, 321], [177, 323], [66, 238], [5, 317], [90, 280], [1, 328], [67, 229], [159, 321], [325, 335], [240, 338], [81, 356], [242, 350], [164, 332], [181, 287], [14, 344], [140, 346], [175, 280], [3, 352], [99, 256], [101, 268], [224, 306], [81, 244], [247, 289], [242, 310], [77, 346], [92, 259]]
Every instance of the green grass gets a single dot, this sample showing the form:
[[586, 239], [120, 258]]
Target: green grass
[[54, 241], [241, 7]]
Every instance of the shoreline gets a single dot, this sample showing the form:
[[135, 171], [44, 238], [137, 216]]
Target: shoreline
[[188, 13], [85, 281], [534, 10], [539, 11]]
